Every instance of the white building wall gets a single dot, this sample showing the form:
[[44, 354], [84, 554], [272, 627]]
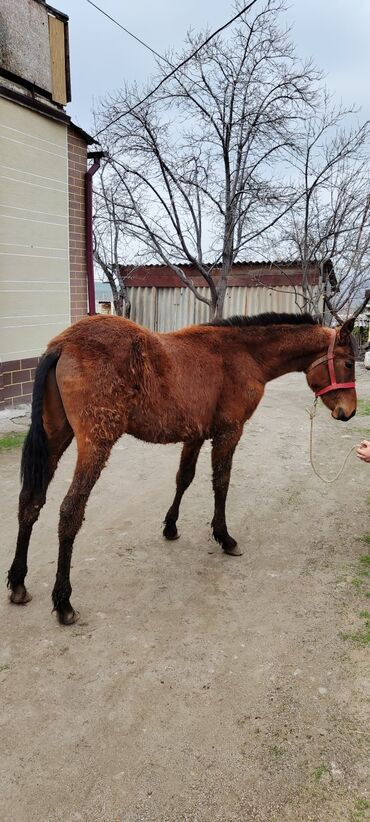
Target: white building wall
[[34, 263]]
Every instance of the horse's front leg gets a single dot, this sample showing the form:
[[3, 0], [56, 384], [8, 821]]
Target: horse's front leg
[[184, 477], [223, 447], [91, 459]]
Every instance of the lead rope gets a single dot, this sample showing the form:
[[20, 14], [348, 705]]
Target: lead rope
[[312, 414]]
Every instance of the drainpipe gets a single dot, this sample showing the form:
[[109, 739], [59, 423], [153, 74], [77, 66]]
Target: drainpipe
[[96, 156]]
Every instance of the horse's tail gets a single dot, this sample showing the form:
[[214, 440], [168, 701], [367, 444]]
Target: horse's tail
[[35, 454]]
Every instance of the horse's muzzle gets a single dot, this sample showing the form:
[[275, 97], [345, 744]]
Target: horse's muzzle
[[341, 415]]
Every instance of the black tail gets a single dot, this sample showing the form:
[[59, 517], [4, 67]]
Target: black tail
[[35, 455]]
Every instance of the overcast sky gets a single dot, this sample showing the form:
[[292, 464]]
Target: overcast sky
[[334, 32]]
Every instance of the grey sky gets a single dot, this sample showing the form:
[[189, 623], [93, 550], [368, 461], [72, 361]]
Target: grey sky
[[334, 32]]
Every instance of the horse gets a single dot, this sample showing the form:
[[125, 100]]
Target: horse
[[106, 376]]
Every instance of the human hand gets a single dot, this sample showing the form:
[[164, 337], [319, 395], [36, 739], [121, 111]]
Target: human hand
[[363, 451]]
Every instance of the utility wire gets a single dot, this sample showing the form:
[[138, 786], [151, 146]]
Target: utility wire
[[175, 69], [130, 33]]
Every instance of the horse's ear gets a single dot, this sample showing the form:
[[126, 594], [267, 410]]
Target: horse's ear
[[346, 330]]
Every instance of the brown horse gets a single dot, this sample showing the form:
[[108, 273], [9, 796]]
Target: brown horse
[[106, 376]]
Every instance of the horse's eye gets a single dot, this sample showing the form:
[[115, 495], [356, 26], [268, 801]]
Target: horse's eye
[[348, 364]]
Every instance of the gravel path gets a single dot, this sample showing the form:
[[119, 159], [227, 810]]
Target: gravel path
[[196, 687]]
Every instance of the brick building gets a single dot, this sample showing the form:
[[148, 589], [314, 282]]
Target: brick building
[[43, 202]]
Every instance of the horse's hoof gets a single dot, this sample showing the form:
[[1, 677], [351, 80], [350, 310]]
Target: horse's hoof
[[233, 552], [170, 532], [68, 617], [232, 548], [20, 596]]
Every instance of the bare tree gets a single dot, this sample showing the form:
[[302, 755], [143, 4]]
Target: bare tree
[[202, 162], [330, 223], [108, 242]]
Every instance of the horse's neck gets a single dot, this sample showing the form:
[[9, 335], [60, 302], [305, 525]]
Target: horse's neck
[[289, 348]]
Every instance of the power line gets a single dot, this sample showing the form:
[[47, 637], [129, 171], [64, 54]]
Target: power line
[[174, 70], [130, 33]]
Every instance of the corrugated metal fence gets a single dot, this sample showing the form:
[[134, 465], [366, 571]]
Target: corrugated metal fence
[[168, 309]]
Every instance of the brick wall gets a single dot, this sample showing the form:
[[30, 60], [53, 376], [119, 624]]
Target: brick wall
[[16, 382], [77, 166]]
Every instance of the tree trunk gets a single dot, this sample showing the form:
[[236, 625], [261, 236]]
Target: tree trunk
[[127, 307], [118, 305], [123, 293], [221, 291], [122, 304], [214, 310], [218, 309]]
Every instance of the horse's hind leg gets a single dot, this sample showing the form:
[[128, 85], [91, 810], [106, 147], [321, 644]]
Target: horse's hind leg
[[30, 504], [33, 494], [223, 448], [91, 459], [184, 477]]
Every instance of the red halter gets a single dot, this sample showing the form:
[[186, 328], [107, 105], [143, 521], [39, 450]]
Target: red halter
[[329, 358]]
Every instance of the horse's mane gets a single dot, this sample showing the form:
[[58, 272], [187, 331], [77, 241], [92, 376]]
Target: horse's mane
[[266, 319]]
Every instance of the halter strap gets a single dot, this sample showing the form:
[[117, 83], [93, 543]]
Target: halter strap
[[329, 358]]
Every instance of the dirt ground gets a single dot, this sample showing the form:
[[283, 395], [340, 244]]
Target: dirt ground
[[197, 687]]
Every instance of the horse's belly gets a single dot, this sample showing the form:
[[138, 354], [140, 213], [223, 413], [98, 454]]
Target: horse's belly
[[168, 427]]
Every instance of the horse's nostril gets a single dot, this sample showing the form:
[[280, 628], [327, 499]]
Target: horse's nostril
[[341, 415]]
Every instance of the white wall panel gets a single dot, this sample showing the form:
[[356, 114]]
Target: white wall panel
[[34, 263]]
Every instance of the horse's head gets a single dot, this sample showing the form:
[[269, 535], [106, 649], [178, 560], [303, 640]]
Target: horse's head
[[332, 376]]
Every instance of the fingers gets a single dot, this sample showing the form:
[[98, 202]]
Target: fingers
[[363, 456], [363, 451]]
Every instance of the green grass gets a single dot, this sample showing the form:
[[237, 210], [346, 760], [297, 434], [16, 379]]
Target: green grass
[[319, 772], [360, 583], [362, 637], [363, 573], [8, 441], [361, 806], [363, 407]]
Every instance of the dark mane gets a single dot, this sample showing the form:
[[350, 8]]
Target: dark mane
[[266, 319]]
